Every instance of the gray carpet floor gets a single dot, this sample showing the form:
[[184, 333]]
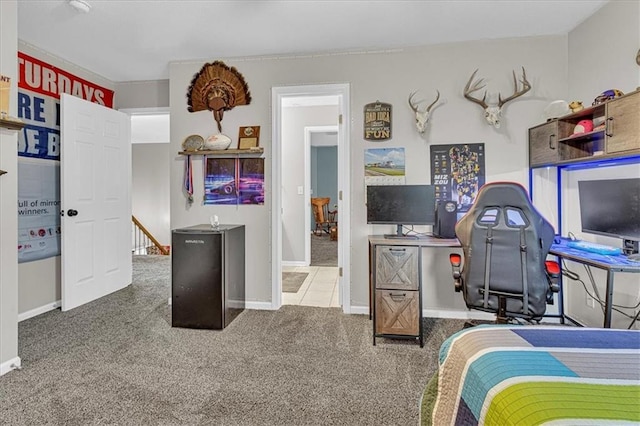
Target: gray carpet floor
[[324, 252], [118, 361]]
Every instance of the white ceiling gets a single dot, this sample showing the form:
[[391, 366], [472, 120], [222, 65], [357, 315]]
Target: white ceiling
[[136, 39]]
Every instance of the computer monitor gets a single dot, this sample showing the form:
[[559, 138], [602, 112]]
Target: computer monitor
[[401, 205], [612, 208]]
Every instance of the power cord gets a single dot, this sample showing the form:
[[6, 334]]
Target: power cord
[[596, 296]]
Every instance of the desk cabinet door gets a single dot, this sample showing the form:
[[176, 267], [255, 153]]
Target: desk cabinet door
[[397, 312], [623, 125], [397, 267]]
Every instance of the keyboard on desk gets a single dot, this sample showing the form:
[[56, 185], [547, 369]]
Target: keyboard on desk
[[594, 247]]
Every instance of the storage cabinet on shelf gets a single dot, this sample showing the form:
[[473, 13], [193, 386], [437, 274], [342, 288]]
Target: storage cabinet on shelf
[[397, 307], [616, 133], [543, 144], [623, 124]]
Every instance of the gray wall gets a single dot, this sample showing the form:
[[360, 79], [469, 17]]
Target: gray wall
[[294, 121], [324, 174], [141, 94], [602, 51], [389, 77], [150, 188], [9, 196], [149, 162]]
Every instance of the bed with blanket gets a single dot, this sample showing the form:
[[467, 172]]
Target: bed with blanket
[[522, 375]]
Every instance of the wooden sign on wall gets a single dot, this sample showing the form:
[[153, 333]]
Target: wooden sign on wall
[[377, 121]]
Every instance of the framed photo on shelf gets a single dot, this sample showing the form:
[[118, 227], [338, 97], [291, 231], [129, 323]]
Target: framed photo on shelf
[[249, 137]]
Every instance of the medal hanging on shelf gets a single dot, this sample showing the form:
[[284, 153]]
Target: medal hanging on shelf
[[188, 179], [204, 178]]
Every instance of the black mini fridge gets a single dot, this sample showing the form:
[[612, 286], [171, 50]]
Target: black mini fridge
[[207, 275]]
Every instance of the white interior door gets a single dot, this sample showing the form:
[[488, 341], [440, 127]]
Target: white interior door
[[95, 179]]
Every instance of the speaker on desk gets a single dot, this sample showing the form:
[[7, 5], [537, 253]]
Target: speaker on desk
[[446, 218]]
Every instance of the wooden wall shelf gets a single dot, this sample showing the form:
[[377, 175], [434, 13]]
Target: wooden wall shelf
[[225, 152], [11, 124]]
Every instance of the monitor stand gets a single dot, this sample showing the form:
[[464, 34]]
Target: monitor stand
[[399, 235]]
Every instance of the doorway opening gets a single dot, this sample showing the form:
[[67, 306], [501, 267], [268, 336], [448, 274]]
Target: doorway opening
[[150, 151], [292, 188]]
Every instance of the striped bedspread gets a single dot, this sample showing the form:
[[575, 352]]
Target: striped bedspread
[[523, 375]]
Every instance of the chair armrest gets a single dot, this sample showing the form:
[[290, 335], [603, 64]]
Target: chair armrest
[[553, 272], [456, 260]]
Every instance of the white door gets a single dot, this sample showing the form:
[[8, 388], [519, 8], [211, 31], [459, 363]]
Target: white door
[[95, 192]]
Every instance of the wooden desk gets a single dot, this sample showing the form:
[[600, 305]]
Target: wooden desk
[[395, 284], [611, 264]]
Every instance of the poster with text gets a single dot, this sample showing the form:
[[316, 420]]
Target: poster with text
[[458, 172], [39, 87], [384, 166], [38, 210]]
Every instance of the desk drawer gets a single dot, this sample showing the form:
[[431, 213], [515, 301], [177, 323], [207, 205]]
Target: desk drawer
[[397, 267], [397, 312]]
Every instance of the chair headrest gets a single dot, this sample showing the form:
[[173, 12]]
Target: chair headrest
[[501, 194]]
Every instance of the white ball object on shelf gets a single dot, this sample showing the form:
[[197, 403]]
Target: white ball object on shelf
[[556, 109], [217, 142]]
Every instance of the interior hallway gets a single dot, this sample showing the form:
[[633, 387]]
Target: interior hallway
[[320, 288]]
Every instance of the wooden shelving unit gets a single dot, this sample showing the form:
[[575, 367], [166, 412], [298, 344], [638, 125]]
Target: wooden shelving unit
[[617, 135], [226, 152], [11, 124]]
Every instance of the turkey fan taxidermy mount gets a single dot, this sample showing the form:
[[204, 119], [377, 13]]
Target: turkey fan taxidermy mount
[[218, 88]]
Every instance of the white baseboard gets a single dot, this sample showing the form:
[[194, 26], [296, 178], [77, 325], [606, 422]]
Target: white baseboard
[[10, 365], [426, 313], [38, 311], [295, 263], [359, 310], [465, 315], [261, 306]]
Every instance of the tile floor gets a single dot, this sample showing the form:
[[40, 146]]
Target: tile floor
[[320, 288]]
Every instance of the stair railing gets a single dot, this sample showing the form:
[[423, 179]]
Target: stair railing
[[143, 240]]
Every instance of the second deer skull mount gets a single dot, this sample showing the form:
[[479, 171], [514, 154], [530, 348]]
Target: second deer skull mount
[[493, 113], [422, 117]]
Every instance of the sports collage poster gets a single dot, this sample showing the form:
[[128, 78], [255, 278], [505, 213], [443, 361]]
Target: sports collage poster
[[39, 87], [458, 172], [230, 181]]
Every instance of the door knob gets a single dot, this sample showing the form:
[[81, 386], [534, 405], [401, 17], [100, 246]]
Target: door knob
[[72, 212]]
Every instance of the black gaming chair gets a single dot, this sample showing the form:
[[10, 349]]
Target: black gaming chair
[[505, 243]]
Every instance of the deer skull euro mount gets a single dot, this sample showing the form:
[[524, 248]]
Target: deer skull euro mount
[[493, 113], [422, 117]]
